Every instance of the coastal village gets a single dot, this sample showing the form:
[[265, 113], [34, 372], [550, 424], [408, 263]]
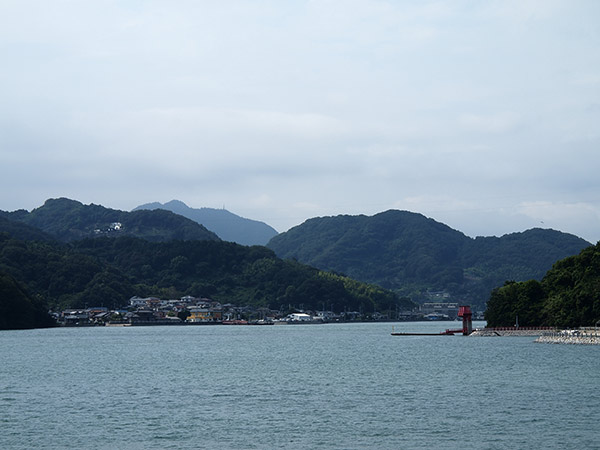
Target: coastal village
[[190, 310]]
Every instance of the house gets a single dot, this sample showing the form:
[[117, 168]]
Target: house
[[299, 317], [203, 315], [142, 316], [75, 317], [188, 299], [440, 309]]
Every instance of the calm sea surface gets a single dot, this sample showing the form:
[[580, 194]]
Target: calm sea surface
[[329, 386]]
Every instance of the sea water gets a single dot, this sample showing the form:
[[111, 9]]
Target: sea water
[[332, 386]]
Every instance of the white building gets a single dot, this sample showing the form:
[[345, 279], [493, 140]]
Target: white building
[[299, 317]]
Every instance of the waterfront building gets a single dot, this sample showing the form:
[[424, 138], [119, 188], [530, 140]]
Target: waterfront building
[[440, 308], [202, 314]]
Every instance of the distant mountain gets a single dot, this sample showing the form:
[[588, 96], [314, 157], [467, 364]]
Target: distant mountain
[[421, 258], [69, 220], [226, 225]]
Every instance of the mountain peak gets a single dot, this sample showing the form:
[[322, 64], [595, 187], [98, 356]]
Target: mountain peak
[[227, 225], [175, 204]]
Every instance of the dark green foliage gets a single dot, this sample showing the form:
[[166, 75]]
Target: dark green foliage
[[568, 295], [388, 249], [516, 301], [410, 254], [18, 310], [69, 220], [108, 271], [233, 273], [62, 277], [573, 287], [21, 230], [160, 226]]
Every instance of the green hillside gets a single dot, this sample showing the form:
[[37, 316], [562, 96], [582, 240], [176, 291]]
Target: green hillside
[[567, 296], [414, 255], [108, 271], [230, 272]]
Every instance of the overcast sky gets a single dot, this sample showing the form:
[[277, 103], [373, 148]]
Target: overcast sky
[[484, 115]]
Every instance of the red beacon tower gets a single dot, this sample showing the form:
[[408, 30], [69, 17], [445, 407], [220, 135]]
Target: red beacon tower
[[466, 314]]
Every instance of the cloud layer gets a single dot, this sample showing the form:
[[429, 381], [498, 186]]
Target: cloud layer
[[481, 115]]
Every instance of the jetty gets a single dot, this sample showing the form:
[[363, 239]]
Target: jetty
[[464, 312], [441, 333]]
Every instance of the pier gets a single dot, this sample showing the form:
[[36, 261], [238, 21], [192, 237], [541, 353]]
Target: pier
[[464, 312]]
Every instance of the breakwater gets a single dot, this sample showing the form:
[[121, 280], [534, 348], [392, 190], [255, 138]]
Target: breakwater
[[575, 337], [545, 335], [512, 331]]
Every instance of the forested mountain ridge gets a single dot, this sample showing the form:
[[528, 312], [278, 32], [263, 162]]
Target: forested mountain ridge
[[400, 254], [69, 220], [412, 254], [228, 226], [567, 296]]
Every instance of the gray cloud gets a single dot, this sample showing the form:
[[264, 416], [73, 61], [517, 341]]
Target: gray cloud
[[483, 116]]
